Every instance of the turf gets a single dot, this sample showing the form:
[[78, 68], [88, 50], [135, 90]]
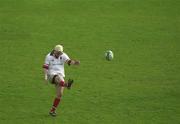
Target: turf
[[139, 86]]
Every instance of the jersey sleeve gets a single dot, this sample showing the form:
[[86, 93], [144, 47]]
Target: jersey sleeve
[[65, 57], [46, 60]]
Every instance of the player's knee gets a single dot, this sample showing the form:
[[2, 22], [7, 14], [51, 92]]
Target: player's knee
[[62, 83], [59, 81]]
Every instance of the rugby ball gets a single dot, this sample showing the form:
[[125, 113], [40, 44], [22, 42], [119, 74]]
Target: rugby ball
[[109, 55]]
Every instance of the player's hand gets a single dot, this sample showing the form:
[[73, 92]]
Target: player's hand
[[76, 62]]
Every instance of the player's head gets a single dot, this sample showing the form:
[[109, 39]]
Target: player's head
[[58, 50]]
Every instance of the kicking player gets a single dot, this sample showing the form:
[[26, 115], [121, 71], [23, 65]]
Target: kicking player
[[54, 72]]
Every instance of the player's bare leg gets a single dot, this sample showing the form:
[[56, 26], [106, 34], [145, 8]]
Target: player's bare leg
[[59, 91], [59, 85]]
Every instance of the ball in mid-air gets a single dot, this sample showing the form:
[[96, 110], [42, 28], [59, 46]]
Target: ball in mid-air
[[109, 55]]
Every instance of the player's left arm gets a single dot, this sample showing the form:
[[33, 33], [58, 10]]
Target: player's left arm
[[72, 62]]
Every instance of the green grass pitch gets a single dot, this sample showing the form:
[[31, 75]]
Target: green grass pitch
[[141, 85]]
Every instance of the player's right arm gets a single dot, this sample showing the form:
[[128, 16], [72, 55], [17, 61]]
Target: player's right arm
[[46, 67]]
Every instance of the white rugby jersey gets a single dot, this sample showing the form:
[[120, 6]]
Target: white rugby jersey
[[56, 65]]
